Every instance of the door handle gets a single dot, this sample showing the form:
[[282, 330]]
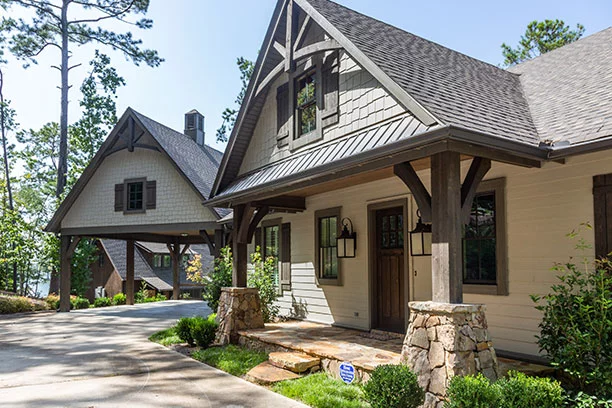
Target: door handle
[[415, 273]]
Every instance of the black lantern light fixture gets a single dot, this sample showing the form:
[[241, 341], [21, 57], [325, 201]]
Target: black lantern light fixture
[[347, 241], [420, 238]]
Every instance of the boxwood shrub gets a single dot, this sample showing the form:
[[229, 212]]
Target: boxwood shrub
[[393, 386], [119, 299], [103, 302], [197, 330], [79, 303]]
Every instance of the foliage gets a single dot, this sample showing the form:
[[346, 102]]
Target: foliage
[[20, 304], [539, 38], [183, 330], [103, 302], [515, 391], [119, 299], [584, 400], [194, 270], [158, 297], [576, 328], [234, 360], [219, 277], [84, 255], [203, 330], [51, 27], [472, 392], [393, 386], [77, 302], [229, 114], [262, 278], [185, 296], [322, 391], [53, 301], [166, 337]]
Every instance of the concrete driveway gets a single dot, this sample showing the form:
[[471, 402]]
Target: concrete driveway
[[102, 358]]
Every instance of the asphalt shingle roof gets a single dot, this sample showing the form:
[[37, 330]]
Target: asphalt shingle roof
[[569, 90], [458, 89], [117, 251], [198, 163]]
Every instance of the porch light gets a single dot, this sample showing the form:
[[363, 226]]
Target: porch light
[[347, 241], [420, 238]]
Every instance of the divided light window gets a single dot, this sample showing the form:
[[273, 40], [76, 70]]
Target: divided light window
[[306, 104], [327, 225], [479, 242], [135, 196], [271, 244]]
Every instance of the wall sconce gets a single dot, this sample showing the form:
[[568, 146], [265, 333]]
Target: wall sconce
[[347, 241], [420, 238]]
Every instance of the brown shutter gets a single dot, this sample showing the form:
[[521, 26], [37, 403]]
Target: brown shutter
[[285, 256], [258, 240], [602, 200], [331, 83], [151, 195], [119, 197], [282, 114]]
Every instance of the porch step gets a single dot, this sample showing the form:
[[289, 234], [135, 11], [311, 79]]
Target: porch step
[[386, 335], [294, 361], [266, 374]]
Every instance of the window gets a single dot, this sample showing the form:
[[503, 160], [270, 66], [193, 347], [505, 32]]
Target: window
[[306, 104], [271, 245], [135, 196], [326, 230], [166, 261], [484, 246], [157, 261]]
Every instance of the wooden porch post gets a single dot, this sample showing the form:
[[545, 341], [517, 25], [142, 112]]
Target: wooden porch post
[[239, 273], [447, 282], [129, 272], [219, 238], [65, 273], [176, 280]]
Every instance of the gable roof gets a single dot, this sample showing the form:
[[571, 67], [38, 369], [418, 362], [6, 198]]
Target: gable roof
[[117, 250], [569, 90], [196, 164]]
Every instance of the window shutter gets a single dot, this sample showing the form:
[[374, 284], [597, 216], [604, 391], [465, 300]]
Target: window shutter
[[151, 195], [602, 200], [331, 83], [258, 240], [119, 197], [285, 256], [282, 114]]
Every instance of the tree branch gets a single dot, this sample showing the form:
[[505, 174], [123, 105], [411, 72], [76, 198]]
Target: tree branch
[[108, 15]]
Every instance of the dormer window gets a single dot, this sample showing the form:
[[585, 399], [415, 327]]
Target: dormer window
[[306, 104]]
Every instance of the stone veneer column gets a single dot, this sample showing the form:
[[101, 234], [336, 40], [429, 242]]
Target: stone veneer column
[[444, 340], [239, 309]]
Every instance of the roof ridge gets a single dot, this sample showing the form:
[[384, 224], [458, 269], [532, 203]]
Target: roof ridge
[[418, 36]]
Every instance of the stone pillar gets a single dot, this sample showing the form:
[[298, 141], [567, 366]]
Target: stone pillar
[[239, 309], [444, 340]]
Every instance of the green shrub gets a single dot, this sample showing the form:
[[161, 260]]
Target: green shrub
[[584, 400], [219, 277], [79, 303], [521, 391], [183, 330], [53, 301], [576, 329], [203, 331], [473, 392], [119, 299], [103, 302], [15, 304], [264, 277], [393, 386]]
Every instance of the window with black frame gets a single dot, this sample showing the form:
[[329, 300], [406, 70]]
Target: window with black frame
[[306, 104], [328, 251], [271, 235], [135, 196], [480, 242]]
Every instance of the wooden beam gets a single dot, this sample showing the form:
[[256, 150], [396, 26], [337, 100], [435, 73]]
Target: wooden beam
[[129, 272], [65, 273], [321, 46], [239, 272], [279, 48], [245, 220], [289, 36], [408, 175], [211, 245], [300, 36], [283, 203], [185, 249], [130, 138], [175, 253], [219, 242], [161, 239], [272, 75], [446, 259], [259, 215], [478, 169], [72, 246]]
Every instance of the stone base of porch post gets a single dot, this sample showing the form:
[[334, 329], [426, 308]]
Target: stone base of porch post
[[444, 340], [239, 309]]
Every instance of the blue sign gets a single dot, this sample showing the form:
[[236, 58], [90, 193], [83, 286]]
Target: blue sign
[[347, 372]]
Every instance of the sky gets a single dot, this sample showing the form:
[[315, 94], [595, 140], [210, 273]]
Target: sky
[[201, 39]]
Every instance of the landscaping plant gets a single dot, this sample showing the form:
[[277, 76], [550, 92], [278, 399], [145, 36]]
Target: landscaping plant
[[576, 329], [262, 277], [119, 299], [103, 302], [219, 277], [472, 392], [203, 330], [78, 302], [393, 386], [183, 330], [320, 390]]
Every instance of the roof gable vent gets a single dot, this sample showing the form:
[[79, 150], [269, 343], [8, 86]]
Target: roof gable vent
[[194, 126]]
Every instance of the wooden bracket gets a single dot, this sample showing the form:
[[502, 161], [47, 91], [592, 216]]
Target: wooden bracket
[[245, 220], [290, 34], [408, 175], [301, 33], [261, 212], [211, 245], [478, 169], [72, 247], [321, 46]]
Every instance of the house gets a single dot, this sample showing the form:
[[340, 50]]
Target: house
[[145, 186], [348, 121], [152, 268]]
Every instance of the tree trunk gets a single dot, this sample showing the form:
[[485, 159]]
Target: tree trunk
[[62, 167]]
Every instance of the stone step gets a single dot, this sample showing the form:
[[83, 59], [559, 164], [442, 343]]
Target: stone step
[[386, 335], [266, 374], [294, 361]]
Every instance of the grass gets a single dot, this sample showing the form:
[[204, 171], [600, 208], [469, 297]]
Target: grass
[[166, 337], [322, 391], [231, 359]]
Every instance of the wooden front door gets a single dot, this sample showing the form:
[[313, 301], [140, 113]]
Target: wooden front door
[[389, 294]]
